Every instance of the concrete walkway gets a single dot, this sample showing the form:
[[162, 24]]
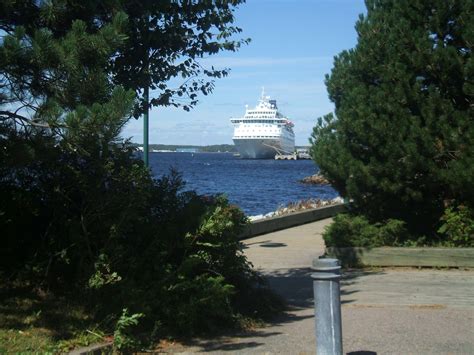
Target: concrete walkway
[[384, 311]]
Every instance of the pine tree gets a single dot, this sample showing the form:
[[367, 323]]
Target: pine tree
[[401, 143], [161, 46], [70, 75]]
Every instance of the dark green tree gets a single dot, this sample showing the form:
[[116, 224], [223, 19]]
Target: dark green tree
[[401, 143], [166, 39], [162, 44]]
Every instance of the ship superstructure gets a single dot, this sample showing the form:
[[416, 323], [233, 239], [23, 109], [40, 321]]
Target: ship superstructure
[[263, 131]]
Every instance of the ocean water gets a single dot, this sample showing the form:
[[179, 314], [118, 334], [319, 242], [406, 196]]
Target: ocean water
[[257, 186]]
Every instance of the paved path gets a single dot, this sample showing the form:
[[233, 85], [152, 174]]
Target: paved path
[[384, 311]]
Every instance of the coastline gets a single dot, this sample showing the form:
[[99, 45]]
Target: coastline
[[298, 206]]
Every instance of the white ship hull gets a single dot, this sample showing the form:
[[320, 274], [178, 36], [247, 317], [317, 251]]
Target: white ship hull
[[263, 132], [256, 148]]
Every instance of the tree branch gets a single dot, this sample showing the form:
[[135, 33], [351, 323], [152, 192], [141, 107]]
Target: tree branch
[[9, 114]]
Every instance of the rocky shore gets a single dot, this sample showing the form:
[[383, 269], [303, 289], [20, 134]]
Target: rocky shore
[[298, 206], [315, 179]]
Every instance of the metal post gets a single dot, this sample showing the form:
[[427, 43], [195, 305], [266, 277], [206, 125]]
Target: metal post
[[327, 304], [145, 129]]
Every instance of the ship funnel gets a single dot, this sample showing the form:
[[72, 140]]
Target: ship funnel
[[273, 104]]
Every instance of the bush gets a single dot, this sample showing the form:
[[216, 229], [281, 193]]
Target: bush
[[123, 335], [357, 231], [457, 229], [83, 216], [187, 277], [350, 230]]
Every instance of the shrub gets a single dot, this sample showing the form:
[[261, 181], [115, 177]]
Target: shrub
[[457, 229], [124, 338], [188, 274], [357, 231], [350, 230], [91, 220]]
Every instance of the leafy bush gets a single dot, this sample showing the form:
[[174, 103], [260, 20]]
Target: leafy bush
[[357, 231], [457, 229], [350, 230], [82, 214], [123, 334]]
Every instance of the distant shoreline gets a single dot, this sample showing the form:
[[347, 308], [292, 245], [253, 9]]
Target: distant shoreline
[[197, 152], [175, 148]]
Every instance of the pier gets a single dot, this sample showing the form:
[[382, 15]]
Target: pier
[[295, 156]]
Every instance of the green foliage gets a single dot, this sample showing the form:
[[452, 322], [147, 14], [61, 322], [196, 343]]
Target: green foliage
[[356, 231], [63, 198], [191, 269], [74, 49], [204, 304], [352, 230], [401, 142], [42, 75], [124, 338], [103, 274], [98, 224], [166, 40], [79, 213], [457, 227]]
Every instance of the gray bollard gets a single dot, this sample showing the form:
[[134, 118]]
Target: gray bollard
[[327, 304]]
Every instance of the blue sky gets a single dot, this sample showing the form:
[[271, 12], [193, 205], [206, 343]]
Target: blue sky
[[292, 48]]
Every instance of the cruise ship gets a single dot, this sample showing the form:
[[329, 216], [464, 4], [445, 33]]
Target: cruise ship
[[263, 132]]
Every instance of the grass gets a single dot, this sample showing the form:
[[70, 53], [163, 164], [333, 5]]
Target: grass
[[35, 320]]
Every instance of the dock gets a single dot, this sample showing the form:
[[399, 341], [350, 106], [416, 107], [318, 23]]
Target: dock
[[294, 156]]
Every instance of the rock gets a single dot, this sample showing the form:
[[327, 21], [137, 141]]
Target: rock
[[298, 206], [315, 179]]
